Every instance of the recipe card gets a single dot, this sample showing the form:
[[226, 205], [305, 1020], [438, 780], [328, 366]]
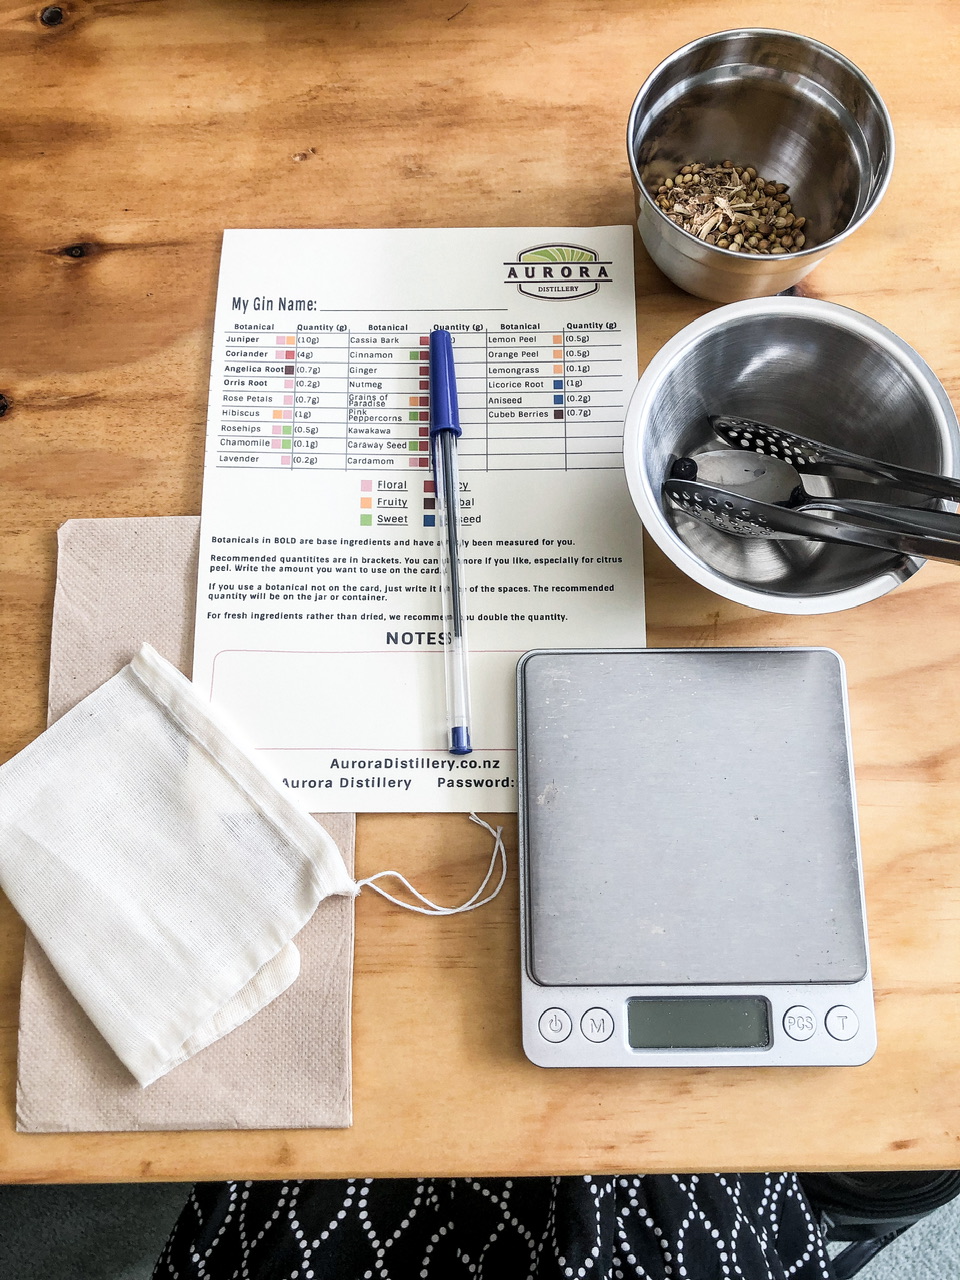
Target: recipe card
[[319, 611]]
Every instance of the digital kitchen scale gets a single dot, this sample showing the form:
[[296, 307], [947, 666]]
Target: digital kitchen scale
[[691, 886]]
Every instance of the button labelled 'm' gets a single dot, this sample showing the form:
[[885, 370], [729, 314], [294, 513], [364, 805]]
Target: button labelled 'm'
[[596, 1025]]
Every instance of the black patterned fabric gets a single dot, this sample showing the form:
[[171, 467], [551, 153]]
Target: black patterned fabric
[[664, 1227]]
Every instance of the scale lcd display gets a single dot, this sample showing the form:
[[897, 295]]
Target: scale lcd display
[[698, 1022]]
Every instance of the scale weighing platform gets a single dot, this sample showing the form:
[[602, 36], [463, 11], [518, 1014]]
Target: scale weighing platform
[[691, 885]]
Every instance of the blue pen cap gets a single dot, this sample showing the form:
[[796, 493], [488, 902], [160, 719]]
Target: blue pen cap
[[444, 410]]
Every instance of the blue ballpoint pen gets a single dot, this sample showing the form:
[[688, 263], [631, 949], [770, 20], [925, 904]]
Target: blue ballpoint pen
[[444, 432]]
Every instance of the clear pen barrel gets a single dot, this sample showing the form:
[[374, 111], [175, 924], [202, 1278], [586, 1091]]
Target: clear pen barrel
[[452, 588]]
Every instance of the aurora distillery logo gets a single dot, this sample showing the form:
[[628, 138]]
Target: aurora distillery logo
[[558, 272]]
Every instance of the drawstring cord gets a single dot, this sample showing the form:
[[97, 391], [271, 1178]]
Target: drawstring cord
[[432, 908]]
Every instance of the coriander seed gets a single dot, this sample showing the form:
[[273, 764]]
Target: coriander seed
[[733, 207]]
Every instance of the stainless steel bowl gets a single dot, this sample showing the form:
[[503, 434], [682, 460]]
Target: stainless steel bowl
[[807, 366], [794, 109]]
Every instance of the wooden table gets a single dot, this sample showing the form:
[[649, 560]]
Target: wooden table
[[135, 133]]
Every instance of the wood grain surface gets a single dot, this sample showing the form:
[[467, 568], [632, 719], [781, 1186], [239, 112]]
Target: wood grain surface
[[133, 133]]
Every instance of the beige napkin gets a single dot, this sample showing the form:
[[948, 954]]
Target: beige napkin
[[120, 582]]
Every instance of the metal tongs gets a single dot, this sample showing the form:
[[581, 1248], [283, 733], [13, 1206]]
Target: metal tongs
[[825, 460], [762, 496]]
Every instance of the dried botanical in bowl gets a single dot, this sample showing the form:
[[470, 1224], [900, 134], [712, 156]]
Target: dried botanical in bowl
[[732, 207]]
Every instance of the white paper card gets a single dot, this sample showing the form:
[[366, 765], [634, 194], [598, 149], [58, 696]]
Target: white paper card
[[319, 621]]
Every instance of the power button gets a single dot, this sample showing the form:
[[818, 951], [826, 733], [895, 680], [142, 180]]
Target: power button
[[555, 1025]]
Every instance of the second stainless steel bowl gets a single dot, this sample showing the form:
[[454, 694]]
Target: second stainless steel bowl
[[807, 366]]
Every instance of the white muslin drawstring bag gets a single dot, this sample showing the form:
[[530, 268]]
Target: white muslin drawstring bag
[[159, 869], [162, 872]]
